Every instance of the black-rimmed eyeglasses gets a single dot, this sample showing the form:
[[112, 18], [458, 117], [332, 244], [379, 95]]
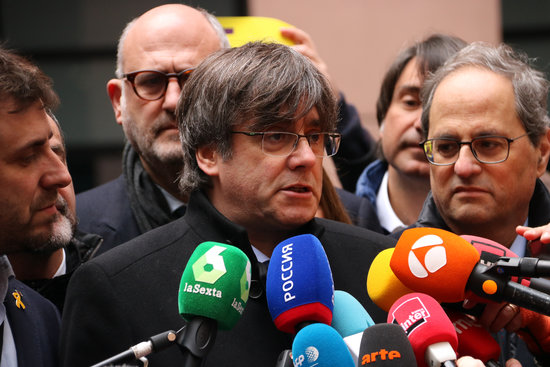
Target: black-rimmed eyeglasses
[[282, 143], [151, 84], [486, 149]]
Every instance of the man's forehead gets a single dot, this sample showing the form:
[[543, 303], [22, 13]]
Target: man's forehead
[[473, 95]]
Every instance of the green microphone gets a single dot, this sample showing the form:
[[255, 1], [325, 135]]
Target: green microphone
[[213, 293]]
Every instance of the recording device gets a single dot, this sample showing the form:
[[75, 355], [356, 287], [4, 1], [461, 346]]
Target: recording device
[[444, 265], [213, 293], [350, 319], [490, 252], [386, 345], [320, 345], [431, 334], [299, 286]]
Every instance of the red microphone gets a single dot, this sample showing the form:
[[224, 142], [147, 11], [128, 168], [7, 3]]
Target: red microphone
[[430, 332], [474, 340]]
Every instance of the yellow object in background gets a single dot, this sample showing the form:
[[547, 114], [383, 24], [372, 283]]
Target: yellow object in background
[[241, 30]]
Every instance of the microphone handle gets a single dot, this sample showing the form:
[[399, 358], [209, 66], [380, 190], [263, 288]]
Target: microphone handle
[[449, 364], [196, 339], [540, 284], [523, 266], [121, 358], [285, 359], [190, 360], [528, 298]]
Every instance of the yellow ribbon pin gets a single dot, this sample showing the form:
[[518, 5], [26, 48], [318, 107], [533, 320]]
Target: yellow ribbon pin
[[18, 302]]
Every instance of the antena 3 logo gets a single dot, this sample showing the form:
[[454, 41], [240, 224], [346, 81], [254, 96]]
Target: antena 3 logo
[[311, 354], [434, 259], [208, 269]]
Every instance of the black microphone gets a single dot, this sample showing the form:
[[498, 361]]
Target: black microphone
[[386, 345], [154, 344], [485, 283], [490, 252]]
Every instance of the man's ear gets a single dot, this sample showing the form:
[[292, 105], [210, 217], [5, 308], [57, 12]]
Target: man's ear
[[114, 90], [544, 149], [207, 159]]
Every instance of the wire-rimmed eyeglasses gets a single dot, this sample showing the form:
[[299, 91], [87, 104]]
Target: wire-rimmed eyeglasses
[[282, 143], [488, 149], [152, 84]]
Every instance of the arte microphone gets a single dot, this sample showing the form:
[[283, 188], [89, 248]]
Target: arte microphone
[[350, 319], [444, 265], [213, 293], [386, 345], [490, 252], [474, 340], [430, 332], [320, 345], [383, 287], [299, 285], [137, 352]]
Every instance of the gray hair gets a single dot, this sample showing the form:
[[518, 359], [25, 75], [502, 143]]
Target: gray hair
[[530, 86], [218, 28], [262, 84]]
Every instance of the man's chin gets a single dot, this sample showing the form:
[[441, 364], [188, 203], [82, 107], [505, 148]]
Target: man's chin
[[295, 220]]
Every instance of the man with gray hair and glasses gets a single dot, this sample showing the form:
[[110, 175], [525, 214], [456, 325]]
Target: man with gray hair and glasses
[[255, 123], [486, 133]]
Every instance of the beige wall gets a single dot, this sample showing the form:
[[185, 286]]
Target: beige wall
[[358, 39]]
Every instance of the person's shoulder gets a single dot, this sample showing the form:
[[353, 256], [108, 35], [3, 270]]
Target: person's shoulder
[[105, 192], [160, 242], [21, 295], [360, 210]]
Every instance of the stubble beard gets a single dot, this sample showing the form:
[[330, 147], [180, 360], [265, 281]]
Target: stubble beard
[[149, 144], [63, 228]]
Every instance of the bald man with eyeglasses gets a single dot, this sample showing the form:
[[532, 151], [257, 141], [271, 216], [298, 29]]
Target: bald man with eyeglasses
[[156, 54]]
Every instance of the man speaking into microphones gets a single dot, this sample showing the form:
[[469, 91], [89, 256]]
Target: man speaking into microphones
[[256, 123], [486, 137]]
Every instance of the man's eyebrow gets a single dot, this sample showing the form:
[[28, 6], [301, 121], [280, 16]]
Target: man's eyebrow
[[34, 144], [409, 88], [315, 122], [39, 142]]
